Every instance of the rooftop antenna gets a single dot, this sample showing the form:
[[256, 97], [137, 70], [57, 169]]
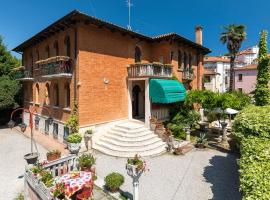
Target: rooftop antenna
[[129, 4]]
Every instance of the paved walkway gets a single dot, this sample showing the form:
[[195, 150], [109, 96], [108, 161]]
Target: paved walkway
[[203, 175]]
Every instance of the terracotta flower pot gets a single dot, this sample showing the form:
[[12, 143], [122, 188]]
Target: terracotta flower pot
[[53, 157]]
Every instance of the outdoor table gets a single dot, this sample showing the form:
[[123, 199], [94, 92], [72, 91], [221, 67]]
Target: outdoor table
[[72, 185]]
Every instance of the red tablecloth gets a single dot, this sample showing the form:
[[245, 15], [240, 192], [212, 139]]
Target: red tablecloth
[[73, 184]]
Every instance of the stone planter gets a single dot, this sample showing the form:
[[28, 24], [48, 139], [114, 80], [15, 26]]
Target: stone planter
[[31, 158], [153, 126], [74, 148], [160, 131], [87, 138]]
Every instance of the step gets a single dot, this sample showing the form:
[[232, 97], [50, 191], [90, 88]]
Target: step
[[130, 131], [130, 144], [130, 140], [130, 126], [130, 148], [121, 134], [154, 152]]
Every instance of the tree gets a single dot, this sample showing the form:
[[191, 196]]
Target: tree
[[9, 90], [233, 36], [262, 92], [7, 61]]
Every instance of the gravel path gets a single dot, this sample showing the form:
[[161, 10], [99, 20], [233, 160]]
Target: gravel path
[[207, 174], [13, 146]]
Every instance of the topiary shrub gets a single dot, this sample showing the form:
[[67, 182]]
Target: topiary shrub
[[255, 168], [113, 181], [253, 120], [74, 138]]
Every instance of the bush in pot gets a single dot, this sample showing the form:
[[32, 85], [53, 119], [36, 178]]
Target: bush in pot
[[201, 141], [53, 155], [74, 142], [153, 123], [113, 181], [86, 162]]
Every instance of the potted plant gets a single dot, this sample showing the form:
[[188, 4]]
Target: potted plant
[[160, 129], [113, 181], [53, 155], [59, 191], [46, 178], [74, 143], [153, 123], [201, 142], [86, 163], [135, 165], [87, 137]]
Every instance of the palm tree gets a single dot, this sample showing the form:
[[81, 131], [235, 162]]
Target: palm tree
[[233, 36]]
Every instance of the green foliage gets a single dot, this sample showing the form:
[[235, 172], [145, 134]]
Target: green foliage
[[206, 98], [202, 139], [262, 91], [88, 132], [7, 61], [19, 197], [86, 160], [47, 178], [74, 138], [183, 118], [211, 100], [73, 122], [255, 168], [253, 120], [114, 180], [9, 90]]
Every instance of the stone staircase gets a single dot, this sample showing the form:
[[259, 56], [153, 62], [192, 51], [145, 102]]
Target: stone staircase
[[129, 138]]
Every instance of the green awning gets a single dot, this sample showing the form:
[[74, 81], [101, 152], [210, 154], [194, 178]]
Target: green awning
[[166, 91]]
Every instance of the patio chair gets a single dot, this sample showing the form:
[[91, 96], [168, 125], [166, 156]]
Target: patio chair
[[86, 192]]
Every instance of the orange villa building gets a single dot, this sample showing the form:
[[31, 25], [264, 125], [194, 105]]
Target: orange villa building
[[108, 70]]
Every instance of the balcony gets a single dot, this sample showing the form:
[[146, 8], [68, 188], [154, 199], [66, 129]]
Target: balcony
[[188, 75], [55, 67], [150, 70], [24, 75]]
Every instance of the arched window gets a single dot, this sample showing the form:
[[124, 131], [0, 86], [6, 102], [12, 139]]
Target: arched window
[[67, 42], [47, 50], [67, 95], [47, 94], [138, 54], [37, 93], [56, 48], [179, 59], [185, 61], [56, 95]]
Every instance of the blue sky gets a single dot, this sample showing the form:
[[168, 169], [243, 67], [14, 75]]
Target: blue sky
[[21, 19]]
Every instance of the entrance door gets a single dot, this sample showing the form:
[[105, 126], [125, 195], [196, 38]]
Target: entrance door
[[135, 101]]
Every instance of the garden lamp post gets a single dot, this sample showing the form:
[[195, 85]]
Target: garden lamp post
[[135, 175], [187, 130], [32, 157]]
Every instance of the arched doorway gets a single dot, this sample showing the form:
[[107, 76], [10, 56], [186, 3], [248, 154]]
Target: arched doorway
[[135, 101]]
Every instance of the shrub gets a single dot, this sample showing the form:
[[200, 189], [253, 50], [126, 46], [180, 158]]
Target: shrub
[[74, 138], [86, 160], [55, 152], [255, 168], [73, 123], [253, 120], [47, 178], [113, 181], [88, 132]]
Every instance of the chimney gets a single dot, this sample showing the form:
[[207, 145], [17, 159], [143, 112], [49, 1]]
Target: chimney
[[198, 34]]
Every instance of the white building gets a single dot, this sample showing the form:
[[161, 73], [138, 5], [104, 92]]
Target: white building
[[220, 65], [247, 56], [211, 80]]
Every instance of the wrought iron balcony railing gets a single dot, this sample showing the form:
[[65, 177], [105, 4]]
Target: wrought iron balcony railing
[[149, 70], [24, 75], [188, 75], [55, 67]]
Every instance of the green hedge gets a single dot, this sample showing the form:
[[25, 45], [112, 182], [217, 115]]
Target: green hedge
[[255, 168], [253, 120]]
